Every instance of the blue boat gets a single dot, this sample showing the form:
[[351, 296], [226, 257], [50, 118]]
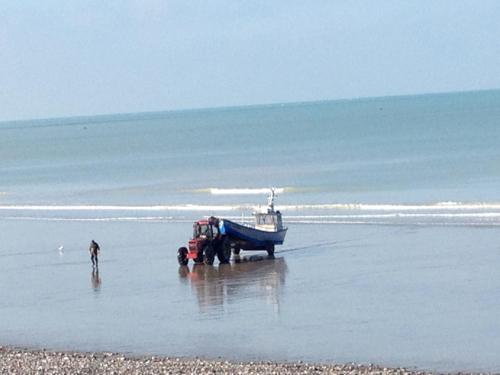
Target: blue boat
[[252, 234], [267, 231]]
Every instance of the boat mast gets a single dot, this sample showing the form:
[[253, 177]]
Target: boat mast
[[270, 201]]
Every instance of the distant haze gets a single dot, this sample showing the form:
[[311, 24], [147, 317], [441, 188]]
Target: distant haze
[[66, 58]]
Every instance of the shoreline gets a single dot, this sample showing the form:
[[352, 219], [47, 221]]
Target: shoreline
[[15, 360]]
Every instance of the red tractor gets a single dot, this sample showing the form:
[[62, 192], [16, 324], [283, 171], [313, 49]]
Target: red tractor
[[207, 242]]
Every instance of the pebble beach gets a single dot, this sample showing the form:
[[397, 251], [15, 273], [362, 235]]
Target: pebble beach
[[28, 361]]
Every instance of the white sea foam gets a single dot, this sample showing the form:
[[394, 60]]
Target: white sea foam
[[441, 207], [253, 191], [322, 218], [422, 220], [473, 218], [441, 213], [245, 191], [183, 207], [101, 219], [391, 222]]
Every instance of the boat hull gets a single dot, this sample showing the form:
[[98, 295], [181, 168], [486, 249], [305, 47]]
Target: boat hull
[[255, 237]]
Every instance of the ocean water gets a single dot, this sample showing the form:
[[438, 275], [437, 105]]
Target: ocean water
[[393, 213], [435, 152]]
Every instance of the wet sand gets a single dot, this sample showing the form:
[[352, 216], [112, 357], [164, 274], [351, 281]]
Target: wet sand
[[24, 361], [418, 297]]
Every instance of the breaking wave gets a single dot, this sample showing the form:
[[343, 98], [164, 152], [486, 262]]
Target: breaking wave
[[252, 191], [241, 191], [181, 207], [441, 206], [441, 213], [100, 219]]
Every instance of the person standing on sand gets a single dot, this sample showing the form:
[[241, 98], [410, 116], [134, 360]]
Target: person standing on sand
[[94, 252]]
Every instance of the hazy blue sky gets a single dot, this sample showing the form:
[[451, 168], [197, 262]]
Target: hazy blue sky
[[64, 58]]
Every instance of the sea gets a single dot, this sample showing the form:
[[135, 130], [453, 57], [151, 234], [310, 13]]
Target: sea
[[393, 212]]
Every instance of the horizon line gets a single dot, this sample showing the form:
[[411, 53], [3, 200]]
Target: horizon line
[[78, 118]]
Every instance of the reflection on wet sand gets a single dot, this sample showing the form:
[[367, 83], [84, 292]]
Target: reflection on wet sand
[[95, 280], [257, 278]]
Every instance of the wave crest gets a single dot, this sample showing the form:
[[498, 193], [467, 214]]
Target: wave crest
[[440, 213], [440, 206]]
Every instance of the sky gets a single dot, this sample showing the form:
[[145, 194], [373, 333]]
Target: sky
[[68, 58]]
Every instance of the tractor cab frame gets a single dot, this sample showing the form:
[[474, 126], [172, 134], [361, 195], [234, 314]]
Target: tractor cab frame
[[207, 242]]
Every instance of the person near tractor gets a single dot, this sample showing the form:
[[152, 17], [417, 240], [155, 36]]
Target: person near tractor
[[94, 250]]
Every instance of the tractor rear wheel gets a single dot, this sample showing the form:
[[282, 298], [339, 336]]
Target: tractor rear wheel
[[224, 253], [199, 257], [182, 256], [209, 255]]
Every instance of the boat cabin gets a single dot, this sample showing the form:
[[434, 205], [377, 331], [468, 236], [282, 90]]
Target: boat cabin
[[270, 221]]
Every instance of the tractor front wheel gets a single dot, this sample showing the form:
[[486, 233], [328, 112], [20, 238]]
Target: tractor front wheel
[[182, 256]]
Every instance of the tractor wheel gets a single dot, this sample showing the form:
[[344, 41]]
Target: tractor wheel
[[182, 256], [270, 250], [209, 255], [224, 253], [199, 258]]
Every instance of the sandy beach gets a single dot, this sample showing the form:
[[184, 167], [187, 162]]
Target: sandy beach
[[370, 297], [27, 361]]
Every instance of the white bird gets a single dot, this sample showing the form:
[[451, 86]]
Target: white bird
[[61, 250]]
